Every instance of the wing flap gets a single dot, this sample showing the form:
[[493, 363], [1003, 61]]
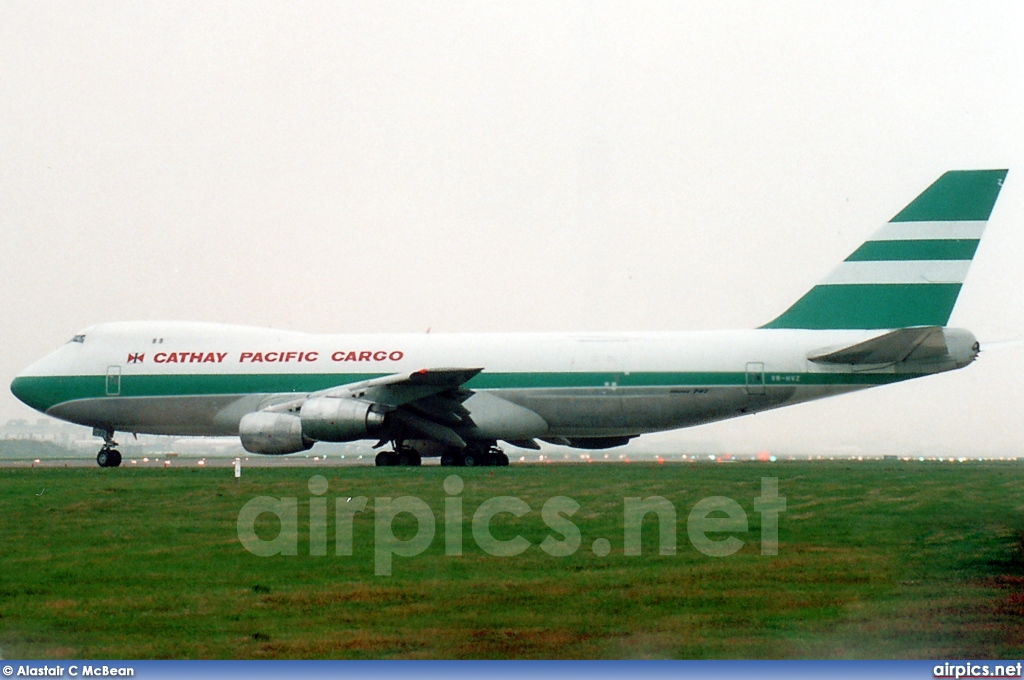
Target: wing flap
[[525, 444], [430, 429]]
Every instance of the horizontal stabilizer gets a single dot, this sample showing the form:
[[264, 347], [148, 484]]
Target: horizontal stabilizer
[[904, 344]]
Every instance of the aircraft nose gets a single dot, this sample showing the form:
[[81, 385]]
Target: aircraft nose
[[19, 389], [30, 391]]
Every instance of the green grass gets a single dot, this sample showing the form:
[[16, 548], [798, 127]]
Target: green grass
[[875, 560]]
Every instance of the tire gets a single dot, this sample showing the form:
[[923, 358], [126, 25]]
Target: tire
[[383, 459], [410, 458], [470, 459], [501, 460], [115, 459], [449, 460], [103, 458]]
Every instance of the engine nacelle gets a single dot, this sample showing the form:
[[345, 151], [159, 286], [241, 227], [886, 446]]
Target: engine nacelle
[[272, 433], [334, 419]]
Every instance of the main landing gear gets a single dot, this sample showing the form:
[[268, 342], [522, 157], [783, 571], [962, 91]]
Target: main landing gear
[[476, 454], [108, 456], [402, 455]]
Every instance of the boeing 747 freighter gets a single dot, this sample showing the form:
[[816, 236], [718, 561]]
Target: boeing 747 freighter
[[879, 317]]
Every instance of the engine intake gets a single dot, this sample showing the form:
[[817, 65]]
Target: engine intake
[[334, 419], [272, 433]]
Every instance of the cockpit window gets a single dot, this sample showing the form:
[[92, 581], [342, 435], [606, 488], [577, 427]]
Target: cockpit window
[[78, 338]]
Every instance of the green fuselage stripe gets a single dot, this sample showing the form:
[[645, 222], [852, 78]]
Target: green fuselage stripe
[[925, 249], [44, 392]]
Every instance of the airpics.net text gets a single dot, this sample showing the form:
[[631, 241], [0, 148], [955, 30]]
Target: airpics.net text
[[719, 516]]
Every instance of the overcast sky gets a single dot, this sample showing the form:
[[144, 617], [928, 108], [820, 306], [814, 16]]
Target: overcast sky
[[548, 166]]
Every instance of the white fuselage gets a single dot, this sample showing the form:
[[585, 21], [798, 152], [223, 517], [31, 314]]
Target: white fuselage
[[201, 379]]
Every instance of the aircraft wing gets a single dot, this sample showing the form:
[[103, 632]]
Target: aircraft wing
[[903, 344], [427, 401], [393, 390], [403, 388]]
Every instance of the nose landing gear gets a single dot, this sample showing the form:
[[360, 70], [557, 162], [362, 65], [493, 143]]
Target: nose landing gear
[[108, 456]]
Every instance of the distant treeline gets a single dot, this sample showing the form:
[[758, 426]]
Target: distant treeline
[[30, 449]]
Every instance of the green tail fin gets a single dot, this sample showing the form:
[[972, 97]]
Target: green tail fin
[[910, 272]]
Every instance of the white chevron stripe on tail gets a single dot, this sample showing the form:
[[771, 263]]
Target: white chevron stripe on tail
[[921, 231], [899, 271]]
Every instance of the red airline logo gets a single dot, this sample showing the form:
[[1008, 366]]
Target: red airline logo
[[266, 357], [189, 357], [379, 355], [277, 357]]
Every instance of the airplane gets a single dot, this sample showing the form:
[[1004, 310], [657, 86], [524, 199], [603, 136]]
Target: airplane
[[878, 318]]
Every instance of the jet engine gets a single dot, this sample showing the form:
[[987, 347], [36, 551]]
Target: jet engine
[[272, 433], [339, 419]]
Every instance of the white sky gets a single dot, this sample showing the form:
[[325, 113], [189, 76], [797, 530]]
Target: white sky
[[349, 167]]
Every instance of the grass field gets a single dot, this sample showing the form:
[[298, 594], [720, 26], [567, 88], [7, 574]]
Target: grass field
[[875, 560]]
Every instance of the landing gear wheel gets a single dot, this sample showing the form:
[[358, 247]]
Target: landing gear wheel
[[108, 455], [449, 460], [409, 457], [108, 458], [386, 459], [500, 459], [471, 459]]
